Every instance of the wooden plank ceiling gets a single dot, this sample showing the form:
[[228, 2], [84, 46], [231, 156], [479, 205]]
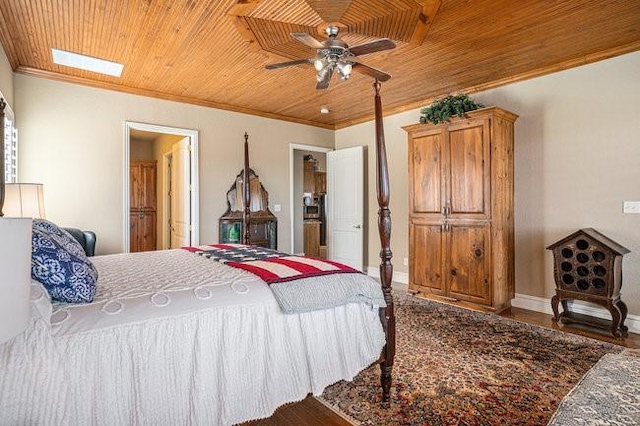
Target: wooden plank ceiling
[[213, 53]]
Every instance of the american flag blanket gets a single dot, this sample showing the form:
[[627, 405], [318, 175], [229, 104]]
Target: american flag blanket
[[270, 265], [299, 283]]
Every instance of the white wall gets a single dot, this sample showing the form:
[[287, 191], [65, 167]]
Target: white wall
[[577, 159], [141, 149], [71, 139], [6, 78]]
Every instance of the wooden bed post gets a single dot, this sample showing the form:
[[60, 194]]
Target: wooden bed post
[[387, 314], [246, 197], [3, 104]]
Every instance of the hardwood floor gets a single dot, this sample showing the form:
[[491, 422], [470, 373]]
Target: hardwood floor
[[310, 412]]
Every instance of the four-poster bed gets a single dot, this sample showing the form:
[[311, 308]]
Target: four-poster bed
[[174, 317]]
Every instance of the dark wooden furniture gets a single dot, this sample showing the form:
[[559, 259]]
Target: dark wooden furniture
[[311, 236], [143, 205], [263, 225], [387, 314], [461, 229], [588, 266], [308, 175], [320, 181]]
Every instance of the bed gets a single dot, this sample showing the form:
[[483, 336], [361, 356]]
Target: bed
[[176, 337]]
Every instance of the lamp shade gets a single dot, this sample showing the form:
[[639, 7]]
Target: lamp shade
[[24, 200], [15, 282]]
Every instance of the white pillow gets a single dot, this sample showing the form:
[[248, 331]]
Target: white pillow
[[41, 301]]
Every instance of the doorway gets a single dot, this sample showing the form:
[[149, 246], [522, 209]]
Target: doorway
[[297, 153], [172, 153]]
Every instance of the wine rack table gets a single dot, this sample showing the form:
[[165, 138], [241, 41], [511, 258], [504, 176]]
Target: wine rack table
[[588, 266]]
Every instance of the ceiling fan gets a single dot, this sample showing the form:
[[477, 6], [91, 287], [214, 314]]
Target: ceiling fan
[[334, 54]]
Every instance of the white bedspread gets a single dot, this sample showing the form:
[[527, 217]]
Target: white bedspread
[[168, 342]]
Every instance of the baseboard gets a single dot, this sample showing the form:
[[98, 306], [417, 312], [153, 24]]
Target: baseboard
[[398, 277], [540, 304], [532, 303]]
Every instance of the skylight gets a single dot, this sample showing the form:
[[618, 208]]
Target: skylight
[[88, 63]]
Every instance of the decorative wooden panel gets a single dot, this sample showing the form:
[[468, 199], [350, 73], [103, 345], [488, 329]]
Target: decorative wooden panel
[[210, 52], [311, 237], [426, 183], [142, 205], [308, 177], [143, 188], [426, 260], [469, 167], [143, 231], [469, 265], [320, 179]]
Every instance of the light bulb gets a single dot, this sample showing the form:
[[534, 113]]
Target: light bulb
[[344, 68], [322, 74], [318, 64]]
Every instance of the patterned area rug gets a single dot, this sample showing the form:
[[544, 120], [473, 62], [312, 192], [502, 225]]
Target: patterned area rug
[[455, 366], [608, 395]]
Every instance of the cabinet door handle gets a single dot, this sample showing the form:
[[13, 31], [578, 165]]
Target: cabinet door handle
[[357, 226], [454, 272]]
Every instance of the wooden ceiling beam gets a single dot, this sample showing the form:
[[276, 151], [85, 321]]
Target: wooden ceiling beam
[[425, 20]]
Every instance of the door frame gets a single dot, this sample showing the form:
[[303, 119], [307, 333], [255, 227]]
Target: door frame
[[292, 148], [167, 158], [195, 199]]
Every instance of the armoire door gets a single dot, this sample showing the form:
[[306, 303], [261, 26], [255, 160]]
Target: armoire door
[[143, 231], [468, 170], [148, 188], [427, 178], [426, 263], [468, 262]]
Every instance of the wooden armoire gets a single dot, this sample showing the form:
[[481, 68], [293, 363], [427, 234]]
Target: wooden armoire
[[143, 205], [461, 225]]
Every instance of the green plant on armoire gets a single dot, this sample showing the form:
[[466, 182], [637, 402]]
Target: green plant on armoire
[[443, 109]]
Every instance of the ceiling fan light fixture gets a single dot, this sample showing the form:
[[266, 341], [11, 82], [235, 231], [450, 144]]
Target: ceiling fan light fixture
[[333, 54], [344, 69], [322, 74]]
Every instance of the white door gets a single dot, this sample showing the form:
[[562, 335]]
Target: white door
[[180, 194], [345, 199]]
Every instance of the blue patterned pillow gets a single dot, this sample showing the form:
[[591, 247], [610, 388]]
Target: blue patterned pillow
[[63, 237], [61, 267]]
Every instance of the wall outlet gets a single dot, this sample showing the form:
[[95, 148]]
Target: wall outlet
[[277, 207], [405, 261], [631, 207]]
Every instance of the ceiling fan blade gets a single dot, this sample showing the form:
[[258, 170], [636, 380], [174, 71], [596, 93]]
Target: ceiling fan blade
[[308, 40], [324, 83], [371, 72], [374, 46], [288, 64]]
